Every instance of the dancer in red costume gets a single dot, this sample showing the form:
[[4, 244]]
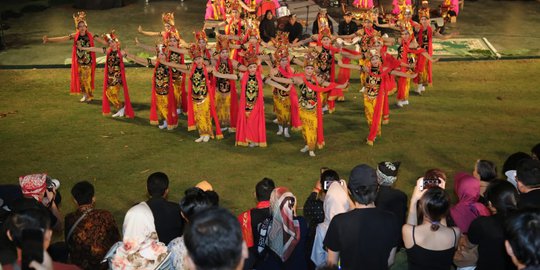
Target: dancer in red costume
[[83, 63], [115, 77]]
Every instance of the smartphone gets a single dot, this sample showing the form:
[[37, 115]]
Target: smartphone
[[429, 183], [326, 185], [32, 247]]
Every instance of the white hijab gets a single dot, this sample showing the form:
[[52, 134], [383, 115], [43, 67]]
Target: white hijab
[[138, 223]]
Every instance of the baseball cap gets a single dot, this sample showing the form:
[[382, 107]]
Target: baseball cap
[[362, 176]]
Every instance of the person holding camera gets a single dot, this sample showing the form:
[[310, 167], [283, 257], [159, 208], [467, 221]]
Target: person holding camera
[[430, 244]]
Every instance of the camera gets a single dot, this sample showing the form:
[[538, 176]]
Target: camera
[[52, 184], [429, 183]]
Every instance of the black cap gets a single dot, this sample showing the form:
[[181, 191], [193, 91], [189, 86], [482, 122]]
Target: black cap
[[362, 176]]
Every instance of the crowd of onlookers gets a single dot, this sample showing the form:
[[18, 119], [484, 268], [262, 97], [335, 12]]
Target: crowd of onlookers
[[360, 223]]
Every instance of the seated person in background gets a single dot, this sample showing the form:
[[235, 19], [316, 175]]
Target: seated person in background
[[488, 232], [528, 182], [430, 245], [294, 28], [90, 232], [522, 232], [213, 239], [35, 221]]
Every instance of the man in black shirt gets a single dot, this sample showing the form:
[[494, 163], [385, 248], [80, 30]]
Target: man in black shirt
[[347, 26], [528, 183], [167, 218], [294, 28], [365, 237]]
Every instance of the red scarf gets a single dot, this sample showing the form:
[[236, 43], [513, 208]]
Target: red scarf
[[233, 111], [106, 109], [287, 72], [252, 128], [315, 87], [245, 222], [172, 117], [211, 97], [75, 87], [379, 110]]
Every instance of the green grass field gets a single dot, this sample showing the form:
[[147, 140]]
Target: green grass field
[[485, 109]]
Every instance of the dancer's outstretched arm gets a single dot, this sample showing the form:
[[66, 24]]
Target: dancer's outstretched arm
[[274, 84], [224, 76], [144, 46], [58, 39], [91, 49], [178, 50], [148, 33]]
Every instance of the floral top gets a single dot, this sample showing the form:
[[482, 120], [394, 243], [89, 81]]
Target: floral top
[[223, 85], [150, 254], [176, 58], [178, 251], [162, 80], [114, 76], [93, 236], [199, 89], [308, 98], [373, 83], [252, 92], [83, 57]]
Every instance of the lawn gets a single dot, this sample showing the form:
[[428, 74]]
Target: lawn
[[484, 109]]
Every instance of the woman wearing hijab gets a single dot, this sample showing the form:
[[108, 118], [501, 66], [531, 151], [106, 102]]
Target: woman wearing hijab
[[335, 202], [468, 208], [267, 28], [287, 234]]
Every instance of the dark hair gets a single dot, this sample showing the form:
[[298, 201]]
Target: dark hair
[[435, 204], [214, 240], [513, 161], [364, 194], [522, 230], [502, 195], [328, 175], [194, 201], [83, 192], [264, 188], [528, 173], [536, 151], [435, 174], [157, 183], [213, 197], [29, 219], [486, 169]]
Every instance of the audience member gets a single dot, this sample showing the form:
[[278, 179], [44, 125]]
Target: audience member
[[485, 171], [284, 244], [213, 239], [31, 225], [488, 232], [193, 202], [535, 152], [250, 220], [169, 224], [468, 208], [90, 232], [336, 201], [510, 165], [528, 182], [322, 21], [347, 26], [430, 245], [267, 27], [389, 198], [365, 237], [294, 28], [522, 243]]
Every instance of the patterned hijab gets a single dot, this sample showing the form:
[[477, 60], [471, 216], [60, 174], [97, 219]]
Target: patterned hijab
[[284, 234]]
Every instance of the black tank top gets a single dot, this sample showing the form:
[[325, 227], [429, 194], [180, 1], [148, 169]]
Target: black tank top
[[420, 258]]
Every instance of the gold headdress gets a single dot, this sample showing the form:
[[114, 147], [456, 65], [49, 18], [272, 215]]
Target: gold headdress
[[223, 43], [195, 51], [325, 32], [310, 58], [79, 17], [251, 56], [235, 5], [406, 10], [168, 18], [200, 35], [282, 38], [111, 36], [281, 52]]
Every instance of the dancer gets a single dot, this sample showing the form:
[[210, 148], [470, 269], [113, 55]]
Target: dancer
[[115, 77], [375, 91], [311, 88], [168, 25], [322, 22], [163, 104], [285, 102], [215, 10], [83, 63]]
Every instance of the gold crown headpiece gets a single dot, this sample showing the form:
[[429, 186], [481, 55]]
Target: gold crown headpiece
[[200, 35], [281, 52], [251, 56], [325, 32], [282, 38], [310, 58], [79, 17], [195, 51], [111, 36], [407, 10], [424, 10], [168, 18], [223, 43]]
